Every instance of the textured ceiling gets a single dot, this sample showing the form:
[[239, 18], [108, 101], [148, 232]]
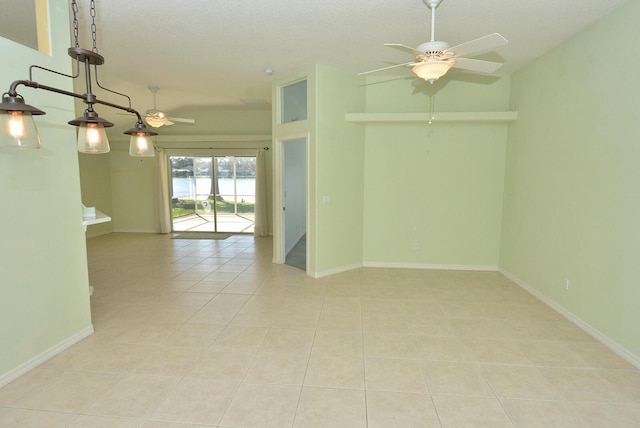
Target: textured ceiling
[[213, 53]]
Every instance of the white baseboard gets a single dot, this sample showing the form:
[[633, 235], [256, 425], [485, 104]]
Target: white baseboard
[[335, 270], [482, 268], [402, 266], [34, 362], [620, 350]]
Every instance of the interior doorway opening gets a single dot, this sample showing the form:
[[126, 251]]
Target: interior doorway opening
[[213, 193]]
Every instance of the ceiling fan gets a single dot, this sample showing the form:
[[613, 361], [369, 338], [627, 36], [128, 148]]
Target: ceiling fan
[[434, 58], [157, 118]]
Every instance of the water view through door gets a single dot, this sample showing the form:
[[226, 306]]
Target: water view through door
[[213, 193]]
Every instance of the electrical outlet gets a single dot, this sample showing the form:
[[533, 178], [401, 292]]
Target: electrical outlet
[[416, 246], [565, 284]]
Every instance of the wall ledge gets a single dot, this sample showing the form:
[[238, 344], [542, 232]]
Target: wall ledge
[[441, 117]]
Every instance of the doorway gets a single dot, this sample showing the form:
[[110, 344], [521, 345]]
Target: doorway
[[213, 193], [292, 195]]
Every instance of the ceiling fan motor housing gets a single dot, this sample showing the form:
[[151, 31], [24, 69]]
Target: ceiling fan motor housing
[[434, 48]]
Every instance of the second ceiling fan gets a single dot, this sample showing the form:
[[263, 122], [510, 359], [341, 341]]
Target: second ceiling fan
[[434, 58], [157, 118]]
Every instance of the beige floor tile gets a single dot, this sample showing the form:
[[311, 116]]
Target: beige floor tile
[[241, 337], [262, 406], [33, 418], [397, 409], [441, 348], [171, 314], [328, 342], [85, 421], [583, 385], [194, 335], [598, 356], [214, 315], [340, 321], [595, 415], [342, 304], [330, 408], [494, 351], [520, 382], [281, 368], [550, 353], [289, 340], [531, 413], [452, 378], [26, 385], [225, 364], [146, 333], [394, 374], [135, 396], [389, 345], [335, 371], [169, 361], [196, 401], [478, 328], [384, 323], [435, 327], [71, 392], [461, 412], [248, 334]]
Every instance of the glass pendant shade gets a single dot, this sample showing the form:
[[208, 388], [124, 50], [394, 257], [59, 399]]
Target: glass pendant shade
[[17, 128], [141, 146], [92, 138], [432, 70], [18, 131]]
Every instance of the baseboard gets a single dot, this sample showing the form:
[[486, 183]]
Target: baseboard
[[482, 268], [620, 350], [96, 234], [335, 270], [34, 362]]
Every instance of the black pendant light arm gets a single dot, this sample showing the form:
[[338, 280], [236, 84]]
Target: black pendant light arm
[[87, 98]]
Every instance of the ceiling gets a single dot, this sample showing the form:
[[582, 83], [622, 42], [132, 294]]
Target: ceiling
[[214, 53]]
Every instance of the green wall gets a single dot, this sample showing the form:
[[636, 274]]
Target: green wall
[[571, 195], [44, 287], [339, 162], [95, 182], [438, 186]]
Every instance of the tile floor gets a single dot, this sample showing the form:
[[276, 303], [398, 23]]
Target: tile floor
[[201, 333]]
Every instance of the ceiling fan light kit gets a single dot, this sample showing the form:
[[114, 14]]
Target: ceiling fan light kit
[[434, 58], [21, 131], [156, 118]]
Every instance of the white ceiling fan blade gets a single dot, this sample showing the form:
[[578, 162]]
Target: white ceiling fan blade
[[387, 68], [405, 48], [477, 46], [476, 65], [181, 119], [167, 122]]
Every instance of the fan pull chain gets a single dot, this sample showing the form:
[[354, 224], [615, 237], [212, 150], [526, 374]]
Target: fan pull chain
[[432, 108]]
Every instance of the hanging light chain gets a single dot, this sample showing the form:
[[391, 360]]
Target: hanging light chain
[[93, 25], [76, 31]]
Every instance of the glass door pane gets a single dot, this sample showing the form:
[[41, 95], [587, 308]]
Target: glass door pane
[[235, 196], [192, 190]]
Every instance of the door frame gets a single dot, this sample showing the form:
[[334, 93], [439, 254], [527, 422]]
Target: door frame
[[279, 250]]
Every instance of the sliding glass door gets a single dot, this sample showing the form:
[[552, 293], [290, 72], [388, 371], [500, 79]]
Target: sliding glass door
[[213, 193]]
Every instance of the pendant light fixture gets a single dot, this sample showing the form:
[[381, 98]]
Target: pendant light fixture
[[18, 129]]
